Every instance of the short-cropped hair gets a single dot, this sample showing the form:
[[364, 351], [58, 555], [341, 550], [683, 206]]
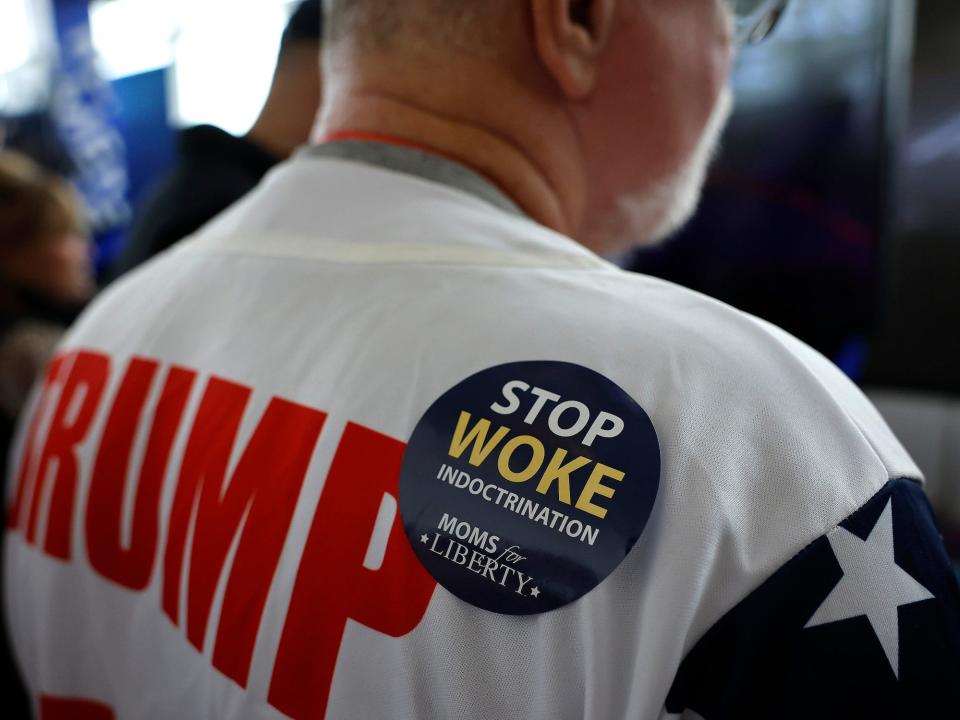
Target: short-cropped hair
[[374, 23]]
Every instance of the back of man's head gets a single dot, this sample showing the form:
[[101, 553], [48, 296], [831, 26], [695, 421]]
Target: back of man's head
[[379, 23], [609, 109]]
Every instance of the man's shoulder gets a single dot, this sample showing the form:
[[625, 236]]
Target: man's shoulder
[[532, 292], [651, 335], [756, 385], [722, 354], [704, 349]]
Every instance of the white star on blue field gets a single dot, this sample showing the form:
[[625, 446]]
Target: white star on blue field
[[872, 585]]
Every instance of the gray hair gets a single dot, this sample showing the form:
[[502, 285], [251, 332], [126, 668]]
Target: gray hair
[[378, 23]]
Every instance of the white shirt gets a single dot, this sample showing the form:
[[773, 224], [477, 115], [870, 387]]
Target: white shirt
[[355, 295]]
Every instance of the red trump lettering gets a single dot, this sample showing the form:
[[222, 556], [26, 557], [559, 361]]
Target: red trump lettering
[[260, 496], [71, 422], [131, 564], [332, 584]]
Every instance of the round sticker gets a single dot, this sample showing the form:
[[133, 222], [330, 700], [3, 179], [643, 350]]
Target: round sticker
[[526, 485]]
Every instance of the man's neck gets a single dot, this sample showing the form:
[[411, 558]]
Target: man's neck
[[516, 164]]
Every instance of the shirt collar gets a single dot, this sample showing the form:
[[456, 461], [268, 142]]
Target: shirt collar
[[422, 163]]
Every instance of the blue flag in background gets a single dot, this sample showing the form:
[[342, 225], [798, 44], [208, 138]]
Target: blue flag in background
[[85, 112]]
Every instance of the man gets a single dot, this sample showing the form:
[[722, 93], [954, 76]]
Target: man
[[384, 442], [215, 169]]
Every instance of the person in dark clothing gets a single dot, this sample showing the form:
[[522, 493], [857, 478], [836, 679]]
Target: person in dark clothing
[[214, 168], [46, 277]]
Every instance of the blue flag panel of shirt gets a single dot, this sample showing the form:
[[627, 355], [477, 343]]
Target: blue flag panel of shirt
[[863, 623]]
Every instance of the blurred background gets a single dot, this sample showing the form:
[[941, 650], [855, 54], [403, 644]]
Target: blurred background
[[833, 209]]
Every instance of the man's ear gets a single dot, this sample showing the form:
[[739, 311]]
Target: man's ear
[[570, 35]]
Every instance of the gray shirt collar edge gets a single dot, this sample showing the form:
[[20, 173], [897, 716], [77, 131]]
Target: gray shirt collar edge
[[419, 163]]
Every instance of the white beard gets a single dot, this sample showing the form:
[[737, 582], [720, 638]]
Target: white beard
[[661, 210]]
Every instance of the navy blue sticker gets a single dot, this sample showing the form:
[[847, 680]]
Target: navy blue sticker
[[526, 485]]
